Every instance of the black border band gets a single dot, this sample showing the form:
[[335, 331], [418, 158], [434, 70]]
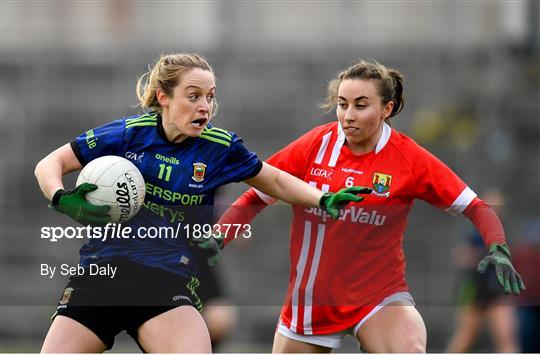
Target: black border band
[[77, 152], [256, 171], [56, 197]]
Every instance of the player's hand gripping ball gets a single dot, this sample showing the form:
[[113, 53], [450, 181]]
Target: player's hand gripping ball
[[120, 185], [109, 189], [72, 203]]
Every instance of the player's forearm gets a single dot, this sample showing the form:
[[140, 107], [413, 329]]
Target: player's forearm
[[242, 212], [281, 185], [296, 192], [48, 173], [486, 222], [49, 170]]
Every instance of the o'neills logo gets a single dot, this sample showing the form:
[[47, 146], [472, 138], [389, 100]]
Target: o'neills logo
[[170, 160]]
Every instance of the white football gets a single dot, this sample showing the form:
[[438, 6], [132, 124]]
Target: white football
[[120, 185]]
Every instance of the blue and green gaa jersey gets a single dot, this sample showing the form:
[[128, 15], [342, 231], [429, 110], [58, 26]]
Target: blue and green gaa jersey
[[181, 179]]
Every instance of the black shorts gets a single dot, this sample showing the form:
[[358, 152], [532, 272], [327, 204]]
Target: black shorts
[[136, 294], [211, 286]]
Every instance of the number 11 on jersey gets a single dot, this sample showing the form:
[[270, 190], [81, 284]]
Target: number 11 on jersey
[[164, 168]]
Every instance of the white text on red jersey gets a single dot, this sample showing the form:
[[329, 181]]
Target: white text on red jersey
[[353, 214]]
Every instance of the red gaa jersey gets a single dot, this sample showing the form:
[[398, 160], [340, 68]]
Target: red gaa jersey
[[341, 268]]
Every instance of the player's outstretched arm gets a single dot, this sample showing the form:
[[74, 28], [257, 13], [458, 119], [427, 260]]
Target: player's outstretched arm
[[49, 172], [281, 185], [490, 227]]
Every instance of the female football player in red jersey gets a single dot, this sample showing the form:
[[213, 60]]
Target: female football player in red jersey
[[348, 275]]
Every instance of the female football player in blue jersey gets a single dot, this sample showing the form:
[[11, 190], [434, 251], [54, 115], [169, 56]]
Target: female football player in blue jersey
[[183, 159]]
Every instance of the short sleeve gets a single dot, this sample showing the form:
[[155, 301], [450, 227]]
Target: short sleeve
[[105, 140], [240, 163], [438, 185]]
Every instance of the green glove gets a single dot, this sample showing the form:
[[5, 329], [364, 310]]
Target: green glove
[[333, 202], [508, 278], [210, 247], [73, 203]]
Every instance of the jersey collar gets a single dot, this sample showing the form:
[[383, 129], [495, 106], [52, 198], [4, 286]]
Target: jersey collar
[[385, 137]]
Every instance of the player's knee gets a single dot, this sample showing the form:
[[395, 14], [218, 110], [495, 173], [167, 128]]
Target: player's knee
[[413, 345], [410, 343]]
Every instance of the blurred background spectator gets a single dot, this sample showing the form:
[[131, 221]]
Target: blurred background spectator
[[527, 255]]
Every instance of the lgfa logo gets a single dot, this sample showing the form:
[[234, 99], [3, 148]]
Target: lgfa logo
[[136, 157], [381, 184], [321, 173]]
